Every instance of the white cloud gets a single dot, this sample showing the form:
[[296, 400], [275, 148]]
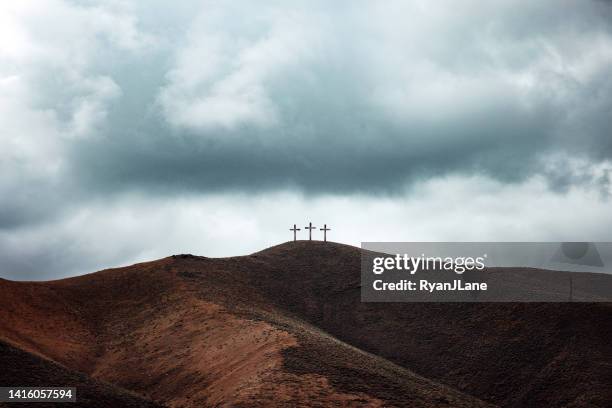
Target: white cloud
[[29, 136], [89, 109], [51, 90], [222, 74], [410, 61], [364, 90], [136, 228]]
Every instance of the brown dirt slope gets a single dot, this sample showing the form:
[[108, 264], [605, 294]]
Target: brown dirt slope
[[514, 355], [188, 332], [286, 326], [19, 368]]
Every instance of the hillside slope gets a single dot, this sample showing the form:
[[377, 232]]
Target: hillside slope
[[20, 368], [515, 355], [285, 326], [187, 332]]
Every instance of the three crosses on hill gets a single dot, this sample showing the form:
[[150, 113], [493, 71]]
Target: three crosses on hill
[[310, 227]]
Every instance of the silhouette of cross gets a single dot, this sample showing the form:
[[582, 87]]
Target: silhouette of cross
[[325, 229], [294, 229], [310, 228]]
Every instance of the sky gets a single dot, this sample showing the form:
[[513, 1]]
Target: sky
[[130, 131]]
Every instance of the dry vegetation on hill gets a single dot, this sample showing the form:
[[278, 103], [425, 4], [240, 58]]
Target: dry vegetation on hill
[[285, 326]]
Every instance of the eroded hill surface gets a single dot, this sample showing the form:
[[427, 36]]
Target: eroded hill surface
[[19, 368], [189, 332], [286, 326]]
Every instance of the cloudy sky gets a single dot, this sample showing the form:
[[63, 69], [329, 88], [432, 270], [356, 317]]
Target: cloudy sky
[[133, 130]]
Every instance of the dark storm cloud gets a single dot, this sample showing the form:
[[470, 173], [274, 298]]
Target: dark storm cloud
[[350, 153], [345, 119], [295, 99], [102, 101]]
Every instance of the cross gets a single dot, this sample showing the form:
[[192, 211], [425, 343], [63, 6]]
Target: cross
[[310, 228], [325, 229], [294, 229]]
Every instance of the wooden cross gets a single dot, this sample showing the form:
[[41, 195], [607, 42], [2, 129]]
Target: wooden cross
[[294, 229], [325, 229], [310, 228]]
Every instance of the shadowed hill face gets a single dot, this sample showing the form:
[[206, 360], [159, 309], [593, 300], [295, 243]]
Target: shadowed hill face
[[188, 331], [510, 354], [287, 325], [20, 368]]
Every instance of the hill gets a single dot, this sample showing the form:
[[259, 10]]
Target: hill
[[285, 326], [20, 368]]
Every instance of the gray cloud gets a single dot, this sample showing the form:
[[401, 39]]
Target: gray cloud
[[278, 101], [103, 100], [140, 227]]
